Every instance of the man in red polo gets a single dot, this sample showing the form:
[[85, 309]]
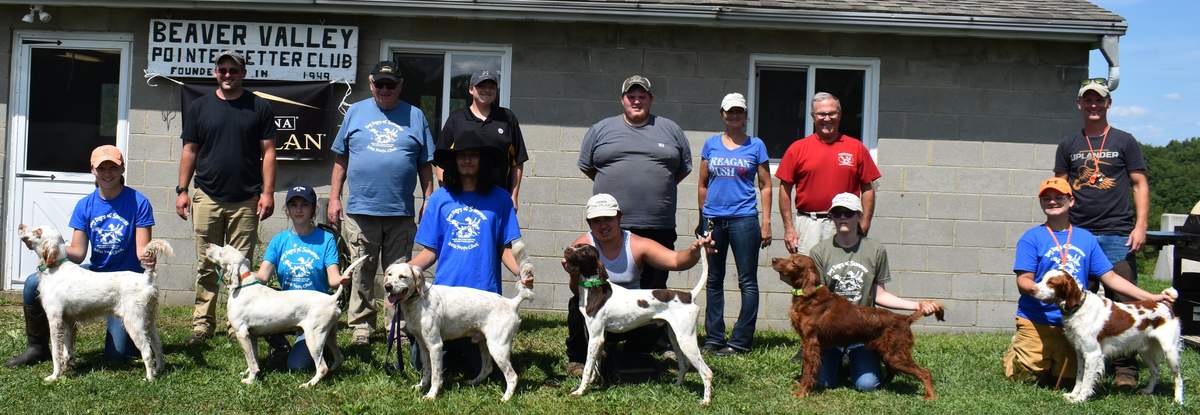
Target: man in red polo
[[818, 167]]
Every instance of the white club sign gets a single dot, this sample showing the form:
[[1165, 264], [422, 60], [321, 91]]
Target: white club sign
[[273, 51]]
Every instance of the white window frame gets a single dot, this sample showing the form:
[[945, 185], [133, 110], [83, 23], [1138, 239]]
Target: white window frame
[[388, 48], [810, 64]]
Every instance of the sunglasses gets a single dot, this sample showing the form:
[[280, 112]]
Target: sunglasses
[[1098, 81], [842, 214], [385, 85], [230, 71], [1060, 198]]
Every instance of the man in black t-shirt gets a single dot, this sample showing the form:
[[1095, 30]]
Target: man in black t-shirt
[[229, 144], [496, 125], [1105, 167]]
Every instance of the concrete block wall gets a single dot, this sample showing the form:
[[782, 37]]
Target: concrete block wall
[[964, 126]]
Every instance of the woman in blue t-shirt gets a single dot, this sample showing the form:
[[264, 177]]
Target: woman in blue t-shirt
[[304, 257], [112, 224], [468, 226], [731, 163]]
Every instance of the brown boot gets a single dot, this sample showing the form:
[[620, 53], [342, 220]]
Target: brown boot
[[1125, 378], [37, 337]]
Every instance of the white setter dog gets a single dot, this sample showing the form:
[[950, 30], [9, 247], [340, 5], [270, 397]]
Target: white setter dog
[[610, 307], [257, 310], [1099, 328], [72, 294], [436, 313]]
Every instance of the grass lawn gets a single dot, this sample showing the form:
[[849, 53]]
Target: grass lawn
[[966, 370]]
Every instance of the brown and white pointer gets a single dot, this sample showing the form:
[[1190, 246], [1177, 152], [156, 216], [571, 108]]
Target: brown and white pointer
[[610, 307]]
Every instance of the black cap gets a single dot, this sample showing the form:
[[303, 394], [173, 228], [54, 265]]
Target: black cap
[[238, 58], [465, 139], [485, 75], [386, 70], [302, 191]]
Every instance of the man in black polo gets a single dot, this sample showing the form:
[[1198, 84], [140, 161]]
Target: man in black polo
[[496, 125]]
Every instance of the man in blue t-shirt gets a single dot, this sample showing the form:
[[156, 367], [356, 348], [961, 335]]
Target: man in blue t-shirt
[[383, 148], [1039, 350]]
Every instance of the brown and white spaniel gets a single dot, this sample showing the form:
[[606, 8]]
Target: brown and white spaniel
[[1098, 327]]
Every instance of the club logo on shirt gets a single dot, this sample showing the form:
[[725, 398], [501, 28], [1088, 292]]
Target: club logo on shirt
[[467, 222], [499, 131], [384, 135], [299, 264], [1090, 176], [108, 231], [845, 159], [847, 279], [1074, 259]]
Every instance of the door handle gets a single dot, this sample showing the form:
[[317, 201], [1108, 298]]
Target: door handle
[[35, 176]]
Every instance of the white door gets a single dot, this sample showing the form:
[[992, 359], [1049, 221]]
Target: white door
[[69, 94]]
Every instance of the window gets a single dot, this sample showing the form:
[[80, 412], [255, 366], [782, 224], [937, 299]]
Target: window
[[781, 93], [436, 75]]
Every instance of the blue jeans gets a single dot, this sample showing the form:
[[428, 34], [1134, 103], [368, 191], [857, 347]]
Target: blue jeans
[[864, 367], [118, 347], [743, 236], [1114, 248]]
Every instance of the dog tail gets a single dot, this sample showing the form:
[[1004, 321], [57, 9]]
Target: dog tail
[[160, 249], [703, 274], [525, 279], [916, 315], [349, 271]]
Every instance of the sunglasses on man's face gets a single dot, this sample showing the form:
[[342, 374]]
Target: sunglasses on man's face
[[842, 214], [230, 71], [1097, 81], [385, 85]]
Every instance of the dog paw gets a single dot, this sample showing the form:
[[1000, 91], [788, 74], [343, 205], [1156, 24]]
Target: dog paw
[[418, 386], [1073, 398], [577, 392], [429, 397], [50, 379], [248, 381], [799, 394], [705, 402], [307, 385]]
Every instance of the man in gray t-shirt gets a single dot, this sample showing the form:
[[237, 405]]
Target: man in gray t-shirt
[[639, 158]]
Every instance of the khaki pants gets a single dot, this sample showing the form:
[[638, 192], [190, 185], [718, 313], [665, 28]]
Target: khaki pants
[[810, 230], [386, 238], [1039, 353], [219, 223]]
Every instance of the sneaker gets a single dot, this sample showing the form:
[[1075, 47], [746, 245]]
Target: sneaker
[[1125, 381], [361, 339], [278, 356], [668, 355], [198, 338], [710, 347], [574, 369]]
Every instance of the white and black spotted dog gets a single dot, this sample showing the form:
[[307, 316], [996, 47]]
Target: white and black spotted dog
[[1098, 328]]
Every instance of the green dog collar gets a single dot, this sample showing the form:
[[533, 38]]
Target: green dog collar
[[799, 292], [592, 282], [43, 267]]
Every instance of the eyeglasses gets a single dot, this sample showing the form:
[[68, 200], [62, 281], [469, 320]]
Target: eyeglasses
[[1098, 81], [386, 85], [825, 114], [1060, 198], [842, 214], [230, 71]]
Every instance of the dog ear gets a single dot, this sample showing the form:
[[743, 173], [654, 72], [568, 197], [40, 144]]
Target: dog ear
[[1067, 290], [809, 275], [49, 251]]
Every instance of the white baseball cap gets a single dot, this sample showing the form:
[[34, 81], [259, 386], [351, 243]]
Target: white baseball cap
[[733, 100], [848, 201], [602, 205]]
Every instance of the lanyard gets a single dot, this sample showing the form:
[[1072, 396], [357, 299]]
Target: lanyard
[[1092, 152], [1062, 248]]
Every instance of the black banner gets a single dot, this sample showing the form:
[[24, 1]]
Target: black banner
[[305, 118]]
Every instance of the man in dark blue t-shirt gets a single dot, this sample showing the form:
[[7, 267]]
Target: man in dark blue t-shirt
[[229, 144]]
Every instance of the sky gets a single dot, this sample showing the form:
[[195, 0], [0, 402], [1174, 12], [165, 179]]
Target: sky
[[1160, 69]]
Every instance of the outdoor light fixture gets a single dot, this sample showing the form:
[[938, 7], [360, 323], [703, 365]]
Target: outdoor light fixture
[[37, 13]]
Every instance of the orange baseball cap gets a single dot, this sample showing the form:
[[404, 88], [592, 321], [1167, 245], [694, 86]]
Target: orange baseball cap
[[107, 153], [1056, 183]]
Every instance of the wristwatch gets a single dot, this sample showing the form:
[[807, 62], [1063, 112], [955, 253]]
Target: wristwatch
[[179, 190]]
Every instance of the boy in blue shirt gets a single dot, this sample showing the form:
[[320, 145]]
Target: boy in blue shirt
[[1040, 351]]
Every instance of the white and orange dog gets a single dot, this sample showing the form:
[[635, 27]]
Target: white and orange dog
[[257, 310], [72, 294], [1098, 327]]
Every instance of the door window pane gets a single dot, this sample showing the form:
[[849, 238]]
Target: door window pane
[[847, 85], [462, 66], [423, 75], [72, 107], [781, 107]]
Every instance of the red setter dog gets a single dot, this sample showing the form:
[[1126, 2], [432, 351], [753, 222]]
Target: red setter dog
[[824, 319]]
